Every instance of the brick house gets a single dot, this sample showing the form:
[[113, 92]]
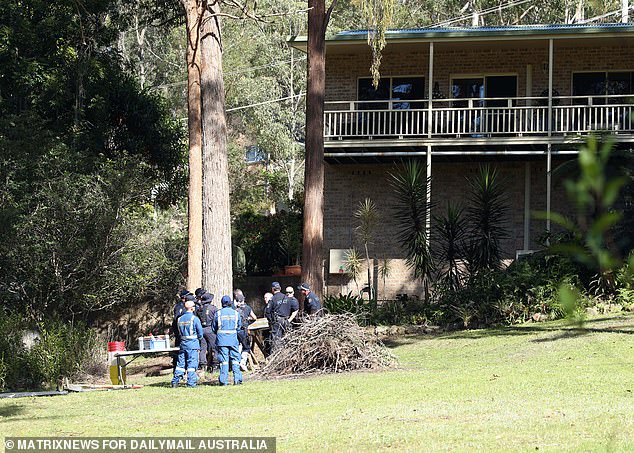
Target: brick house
[[521, 98]]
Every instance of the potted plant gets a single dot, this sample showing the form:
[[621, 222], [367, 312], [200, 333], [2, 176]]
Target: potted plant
[[291, 246]]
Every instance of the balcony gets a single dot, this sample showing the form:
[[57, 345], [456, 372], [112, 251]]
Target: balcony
[[477, 121]]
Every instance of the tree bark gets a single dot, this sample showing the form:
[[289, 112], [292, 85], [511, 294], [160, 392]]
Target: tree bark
[[312, 248], [193, 11], [217, 269]]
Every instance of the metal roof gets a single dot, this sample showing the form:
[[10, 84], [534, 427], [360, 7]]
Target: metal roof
[[468, 33]]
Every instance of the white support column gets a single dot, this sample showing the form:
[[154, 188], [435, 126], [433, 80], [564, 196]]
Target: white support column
[[430, 88], [527, 206], [428, 213], [529, 83], [550, 132], [625, 11]]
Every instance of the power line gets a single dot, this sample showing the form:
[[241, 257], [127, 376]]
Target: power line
[[242, 107], [265, 102], [242, 70], [483, 12]]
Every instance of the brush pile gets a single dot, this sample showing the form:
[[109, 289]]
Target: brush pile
[[329, 344]]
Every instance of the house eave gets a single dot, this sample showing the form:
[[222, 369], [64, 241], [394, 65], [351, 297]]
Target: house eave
[[475, 34]]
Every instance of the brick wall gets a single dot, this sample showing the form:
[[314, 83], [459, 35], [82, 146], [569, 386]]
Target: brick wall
[[343, 70], [346, 185]]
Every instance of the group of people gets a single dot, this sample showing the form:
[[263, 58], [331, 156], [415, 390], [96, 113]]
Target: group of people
[[209, 337]]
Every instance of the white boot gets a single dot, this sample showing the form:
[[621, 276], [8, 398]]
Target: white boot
[[243, 362]]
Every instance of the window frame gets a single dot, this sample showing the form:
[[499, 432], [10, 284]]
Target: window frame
[[391, 101]]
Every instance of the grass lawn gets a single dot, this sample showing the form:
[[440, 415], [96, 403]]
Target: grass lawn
[[543, 386]]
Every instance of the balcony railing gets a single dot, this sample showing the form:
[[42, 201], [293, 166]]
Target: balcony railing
[[478, 117]]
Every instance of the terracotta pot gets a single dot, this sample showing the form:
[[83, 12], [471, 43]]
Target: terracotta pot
[[295, 269]]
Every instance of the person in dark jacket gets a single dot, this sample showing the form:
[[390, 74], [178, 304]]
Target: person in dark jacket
[[226, 325], [280, 312], [207, 312], [179, 310], [191, 332], [312, 305], [247, 316]]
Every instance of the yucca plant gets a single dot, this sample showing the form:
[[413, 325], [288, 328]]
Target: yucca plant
[[410, 186], [368, 216], [450, 234], [352, 265], [488, 220], [385, 270]]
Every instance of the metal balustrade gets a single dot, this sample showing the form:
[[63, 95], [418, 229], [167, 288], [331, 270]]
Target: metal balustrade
[[477, 118]]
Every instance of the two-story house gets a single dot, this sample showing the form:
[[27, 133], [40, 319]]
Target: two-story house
[[521, 98]]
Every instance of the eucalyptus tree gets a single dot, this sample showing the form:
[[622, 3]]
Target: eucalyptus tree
[[377, 14], [86, 156]]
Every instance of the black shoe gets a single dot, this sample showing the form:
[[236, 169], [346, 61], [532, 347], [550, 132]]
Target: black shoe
[[174, 385]]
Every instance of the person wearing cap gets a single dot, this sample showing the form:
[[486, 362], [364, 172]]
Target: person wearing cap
[[226, 325], [191, 332], [207, 312], [312, 305], [280, 311], [247, 316], [179, 310]]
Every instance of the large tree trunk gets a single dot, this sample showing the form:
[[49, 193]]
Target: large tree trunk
[[312, 249], [217, 271], [193, 13]]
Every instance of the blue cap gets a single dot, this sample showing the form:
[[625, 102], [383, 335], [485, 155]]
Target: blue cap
[[207, 297], [226, 301], [304, 286], [276, 285]]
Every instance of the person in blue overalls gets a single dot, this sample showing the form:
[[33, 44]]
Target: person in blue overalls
[[207, 312], [191, 331], [226, 325]]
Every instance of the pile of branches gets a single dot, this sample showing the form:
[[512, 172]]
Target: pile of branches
[[329, 344]]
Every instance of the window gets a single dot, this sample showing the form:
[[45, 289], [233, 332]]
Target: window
[[255, 154], [595, 84], [493, 86], [392, 88]]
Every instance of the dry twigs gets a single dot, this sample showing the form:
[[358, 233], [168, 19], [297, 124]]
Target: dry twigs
[[329, 344]]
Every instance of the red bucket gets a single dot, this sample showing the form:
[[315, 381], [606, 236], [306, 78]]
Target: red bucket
[[114, 346]]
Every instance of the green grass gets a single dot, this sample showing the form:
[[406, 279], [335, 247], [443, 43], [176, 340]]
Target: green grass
[[540, 386]]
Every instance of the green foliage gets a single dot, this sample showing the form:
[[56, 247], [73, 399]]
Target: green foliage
[[488, 219], [402, 311], [367, 217], [63, 350], [410, 187], [345, 303], [352, 264], [264, 239], [449, 236], [77, 243], [594, 193], [89, 161], [508, 296], [378, 14]]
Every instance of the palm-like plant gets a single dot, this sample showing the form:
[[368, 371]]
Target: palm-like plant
[[411, 186], [449, 245], [352, 265], [368, 216], [488, 218]]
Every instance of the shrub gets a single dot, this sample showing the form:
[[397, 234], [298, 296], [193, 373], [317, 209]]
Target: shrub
[[345, 303], [63, 350]]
